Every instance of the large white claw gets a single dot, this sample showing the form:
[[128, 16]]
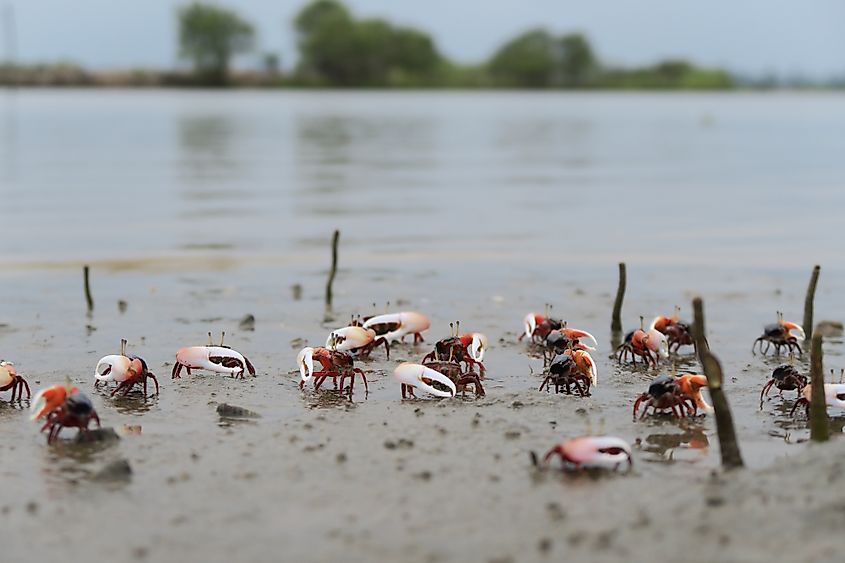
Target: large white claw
[[349, 338], [305, 361], [112, 368], [478, 347], [416, 375], [601, 452], [834, 394], [658, 343], [530, 323], [408, 322]]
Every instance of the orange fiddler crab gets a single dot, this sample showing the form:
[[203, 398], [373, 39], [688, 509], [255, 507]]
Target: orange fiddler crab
[[678, 333], [396, 326], [219, 359], [592, 452], [572, 368], [650, 346], [63, 406], [681, 395], [127, 371], [9, 379], [335, 363], [468, 348], [780, 335]]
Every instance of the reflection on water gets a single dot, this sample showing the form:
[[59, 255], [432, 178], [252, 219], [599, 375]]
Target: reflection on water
[[205, 141], [69, 463], [678, 439], [9, 136], [134, 402], [412, 172]]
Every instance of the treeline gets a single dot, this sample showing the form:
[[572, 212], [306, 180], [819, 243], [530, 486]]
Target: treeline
[[338, 49]]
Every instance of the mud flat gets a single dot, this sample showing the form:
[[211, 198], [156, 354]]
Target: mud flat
[[424, 482]]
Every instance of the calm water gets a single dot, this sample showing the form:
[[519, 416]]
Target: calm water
[[737, 179], [198, 207]]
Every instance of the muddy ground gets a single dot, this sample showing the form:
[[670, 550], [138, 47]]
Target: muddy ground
[[318, 477]]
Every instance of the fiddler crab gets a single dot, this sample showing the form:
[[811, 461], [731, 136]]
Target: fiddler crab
[[650, 346], [63, 406], [592, 452], [537, 327], [396, 326], [9, 379], [834, 397], [782, 334], [563, 339], [571, 368], [677, 332], [681, 395], [356, 339], [334, 363], [219, 359], [785, 378], [417, 376], [127, 371], [468, 348]]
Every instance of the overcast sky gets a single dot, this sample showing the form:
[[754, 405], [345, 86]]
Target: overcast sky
[[750, 36]]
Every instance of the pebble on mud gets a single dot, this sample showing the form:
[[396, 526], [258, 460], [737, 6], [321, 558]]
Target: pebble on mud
[[402, 443], [829, 329], [118, 470], [247, 323], [98, 435], [226, 410]]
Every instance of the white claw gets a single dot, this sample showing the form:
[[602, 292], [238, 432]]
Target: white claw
[[112, 368], [416, 374], [530, 323], [478, 347], [305, 361]]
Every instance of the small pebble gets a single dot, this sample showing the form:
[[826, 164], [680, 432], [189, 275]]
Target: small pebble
[[119, 470], [233, 411], [247, 323]]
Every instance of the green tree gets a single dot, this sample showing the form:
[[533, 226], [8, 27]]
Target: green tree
[[528, 60], [271, 63], [337, 49], [538, 59], [578, 63], [210, 36]]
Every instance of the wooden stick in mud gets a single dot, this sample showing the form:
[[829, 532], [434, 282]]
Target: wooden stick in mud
[[616, 322], [88, 298], [808, 303], [819, 430], [333, 271], [731, 457]]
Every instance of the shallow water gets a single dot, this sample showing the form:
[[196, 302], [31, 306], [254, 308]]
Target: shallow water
[[197, 208]]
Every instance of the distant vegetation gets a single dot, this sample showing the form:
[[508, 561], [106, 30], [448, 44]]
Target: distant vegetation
[[339, 50], [209, 37]]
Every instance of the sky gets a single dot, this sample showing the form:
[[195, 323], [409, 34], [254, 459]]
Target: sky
[[753, 37]]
